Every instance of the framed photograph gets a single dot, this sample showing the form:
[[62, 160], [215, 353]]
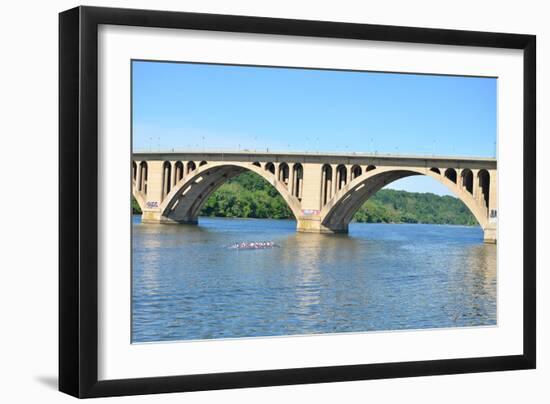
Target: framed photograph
[[251, 201]]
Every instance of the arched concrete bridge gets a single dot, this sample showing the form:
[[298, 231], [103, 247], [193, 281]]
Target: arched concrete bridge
[[323, 191]]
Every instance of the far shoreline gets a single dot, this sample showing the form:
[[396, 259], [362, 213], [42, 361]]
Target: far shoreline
[[353, 222]]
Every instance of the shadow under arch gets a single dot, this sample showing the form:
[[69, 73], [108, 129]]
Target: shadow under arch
[[337, 214], [188, 195]]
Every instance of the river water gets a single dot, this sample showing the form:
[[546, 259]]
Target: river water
[[188, 285]]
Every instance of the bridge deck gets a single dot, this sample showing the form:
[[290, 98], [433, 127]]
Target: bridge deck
[[320, 158]]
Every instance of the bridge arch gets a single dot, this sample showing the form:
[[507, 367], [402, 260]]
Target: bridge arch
[[484, 181], [139, 197], [139, 182], [298, 181], [178, 171], [338, 212], [166, 175], [450, 173], [467, 178], [356, 171], [341, 176], [185, 200], [270, 167], [326, 183], [284, 173], [191, 166]]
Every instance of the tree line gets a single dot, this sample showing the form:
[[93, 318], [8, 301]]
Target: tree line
[[250, 196]]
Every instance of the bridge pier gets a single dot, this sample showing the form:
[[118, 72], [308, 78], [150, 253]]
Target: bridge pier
[[156, 217], [490, 235], [312, 224]]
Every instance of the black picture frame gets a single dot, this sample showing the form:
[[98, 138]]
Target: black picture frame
[[78, 201]]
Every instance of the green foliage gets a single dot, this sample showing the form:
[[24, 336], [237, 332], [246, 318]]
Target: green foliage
[[250, 196], [391, 206]]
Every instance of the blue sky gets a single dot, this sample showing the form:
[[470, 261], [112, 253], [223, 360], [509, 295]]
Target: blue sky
[[196, 106]]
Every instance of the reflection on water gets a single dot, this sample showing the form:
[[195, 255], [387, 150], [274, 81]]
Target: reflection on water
[[188, 285]]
